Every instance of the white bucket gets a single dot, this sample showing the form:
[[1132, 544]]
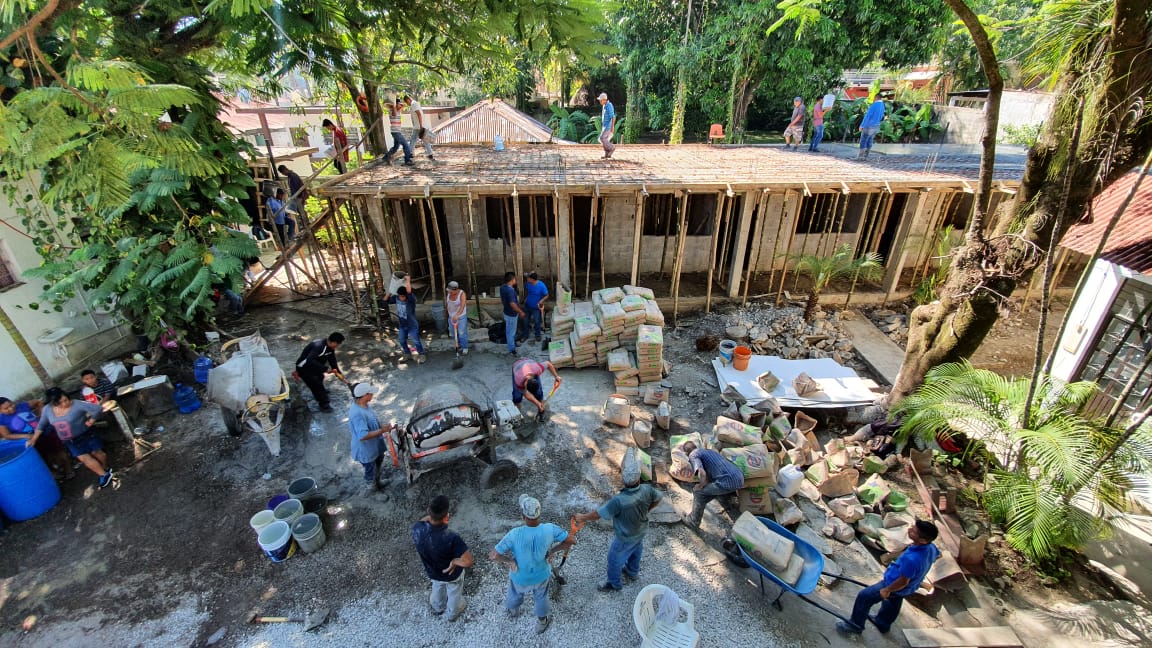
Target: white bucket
[[289, 510], [261, 520], [726, 349], [309, 533], [276, 540], [301, 488], [789, 480]]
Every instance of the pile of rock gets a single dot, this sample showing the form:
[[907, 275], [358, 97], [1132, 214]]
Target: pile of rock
[[783, 332], [892, 324]]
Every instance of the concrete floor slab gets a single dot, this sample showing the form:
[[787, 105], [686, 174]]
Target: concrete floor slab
[[881, 354]]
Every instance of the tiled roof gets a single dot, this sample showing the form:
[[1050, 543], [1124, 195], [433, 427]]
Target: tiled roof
[[482, 122], [657, 167], [1130, 243]]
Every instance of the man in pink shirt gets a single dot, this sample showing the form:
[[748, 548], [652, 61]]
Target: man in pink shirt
[[818, 112], [526, 374]]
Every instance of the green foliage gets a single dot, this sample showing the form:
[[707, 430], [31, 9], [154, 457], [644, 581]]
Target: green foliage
[[1026, 135], [119, 168], [926, 290], [569, 125], [1049, 459], [907, 124], [841, 264], [1009, 24]]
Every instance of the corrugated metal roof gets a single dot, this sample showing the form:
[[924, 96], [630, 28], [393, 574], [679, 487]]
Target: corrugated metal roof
[[698, 167], [1130, 243], [482, 122]]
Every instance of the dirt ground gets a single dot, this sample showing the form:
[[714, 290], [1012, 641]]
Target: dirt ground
[[169, 558]]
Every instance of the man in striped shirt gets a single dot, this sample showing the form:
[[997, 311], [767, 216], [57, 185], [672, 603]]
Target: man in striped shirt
[[398, 139], [718, 477]]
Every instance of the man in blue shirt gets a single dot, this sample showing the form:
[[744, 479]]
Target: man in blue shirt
[[628, 511], [901, 580], [406, 323], [445, 556], [526, 550], [607, 125], [285, 226], [718, 478], [536, 293], [512, 311], [870, 126], [367, 434]]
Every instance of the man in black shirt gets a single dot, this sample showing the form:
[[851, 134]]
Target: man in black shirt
[[445, 556], [317, 359]]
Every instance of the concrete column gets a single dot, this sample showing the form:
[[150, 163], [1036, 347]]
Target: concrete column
[[563, 239], [914, 210], [743, 227]]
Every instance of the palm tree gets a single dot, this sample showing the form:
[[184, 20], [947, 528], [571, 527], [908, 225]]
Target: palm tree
[[569, 125], [839, 265], [1051, 488]]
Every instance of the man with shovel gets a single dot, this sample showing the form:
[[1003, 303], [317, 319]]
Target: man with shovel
[[526, 374], [628, 511], [526, 550]]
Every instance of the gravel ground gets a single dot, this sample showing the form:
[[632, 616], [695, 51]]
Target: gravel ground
[[169, 560]]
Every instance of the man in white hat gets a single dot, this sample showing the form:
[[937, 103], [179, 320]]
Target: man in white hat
[[367, 434], [628, 511], [526, 550], [607, 125]]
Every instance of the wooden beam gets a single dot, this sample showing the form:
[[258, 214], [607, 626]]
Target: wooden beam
[[468, 237], [757, 245], [721, 199], [637, 238], [439, 248], [681, 238], [588, 267], [427, 246], [517, 250]]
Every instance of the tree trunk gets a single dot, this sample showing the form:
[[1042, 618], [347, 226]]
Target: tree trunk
[[740, 94], [987, 269], [810, 305], [678, 105], [25, 350], [374, 137]]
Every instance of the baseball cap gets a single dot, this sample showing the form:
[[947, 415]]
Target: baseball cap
[[452, 285], [362, 389], [529, 507], [603, 95]]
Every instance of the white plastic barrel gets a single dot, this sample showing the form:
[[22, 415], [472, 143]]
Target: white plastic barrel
[[788, 480]]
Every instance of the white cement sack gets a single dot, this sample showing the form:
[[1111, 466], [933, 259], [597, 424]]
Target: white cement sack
[[766, 547]]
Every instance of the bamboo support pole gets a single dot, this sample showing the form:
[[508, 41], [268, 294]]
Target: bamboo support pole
[[668, 213], [637, 238], [469, 236], [717, 217], [341, 235], [603, 260], [757, 236], [439, 248], [787, 249], [572, 241], [518, 250], [776, 248], [532, 230], [427, 246], [681, 238], [588, 267]]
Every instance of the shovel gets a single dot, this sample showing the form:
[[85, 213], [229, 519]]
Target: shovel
[[457, 363], [574, 527], [311, 621]]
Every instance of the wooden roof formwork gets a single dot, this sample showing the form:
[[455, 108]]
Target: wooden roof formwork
[[483, 121], [658, 168]]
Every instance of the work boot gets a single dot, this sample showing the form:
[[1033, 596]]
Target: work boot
[[847, 628], [421, 359], [542, 624], [607, 587], [459, 613]]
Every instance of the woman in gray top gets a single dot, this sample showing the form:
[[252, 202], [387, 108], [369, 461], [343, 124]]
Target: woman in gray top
[[72, 422]]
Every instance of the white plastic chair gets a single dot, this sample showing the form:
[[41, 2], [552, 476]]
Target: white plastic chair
[[658, 634]]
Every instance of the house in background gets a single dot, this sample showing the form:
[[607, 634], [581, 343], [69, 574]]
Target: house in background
[[1108, 336], [65, 342], [483, 121]]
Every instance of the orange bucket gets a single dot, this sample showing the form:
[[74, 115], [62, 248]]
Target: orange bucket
[[740, 358]]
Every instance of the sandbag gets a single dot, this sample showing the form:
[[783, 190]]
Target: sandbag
[[642, 433], [735, 433], [664, 415], [786, 512], [754, 461], [617, 411], [847, 508], [836, 528], [766, 547]]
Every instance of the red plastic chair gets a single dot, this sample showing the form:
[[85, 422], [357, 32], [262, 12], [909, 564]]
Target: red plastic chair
[[716, 133]]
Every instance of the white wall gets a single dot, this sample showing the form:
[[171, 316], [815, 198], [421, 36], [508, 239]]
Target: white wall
[[1086, 316], [93, 334]]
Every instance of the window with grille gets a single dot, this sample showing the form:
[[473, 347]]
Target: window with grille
[[1119, 355]]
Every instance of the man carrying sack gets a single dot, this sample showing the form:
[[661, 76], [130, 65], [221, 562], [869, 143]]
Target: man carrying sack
[[628, 511], [718, 478]]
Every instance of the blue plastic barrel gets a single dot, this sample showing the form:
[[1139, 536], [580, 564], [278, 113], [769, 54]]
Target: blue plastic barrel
[[27, 489], [439, 317], [201, 368], [186, 399]]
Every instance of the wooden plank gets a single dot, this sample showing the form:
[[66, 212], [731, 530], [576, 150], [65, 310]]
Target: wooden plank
[[990, 637]]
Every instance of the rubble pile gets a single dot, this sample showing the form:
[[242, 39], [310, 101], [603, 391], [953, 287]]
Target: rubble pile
[[892, 324], [783, 332]]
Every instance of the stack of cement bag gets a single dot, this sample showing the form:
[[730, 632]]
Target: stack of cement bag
[[586, 334], [622, 364], [584, 342], [650, 353]]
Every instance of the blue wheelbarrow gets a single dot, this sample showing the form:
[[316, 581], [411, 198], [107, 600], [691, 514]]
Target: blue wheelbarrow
[[809, 576]]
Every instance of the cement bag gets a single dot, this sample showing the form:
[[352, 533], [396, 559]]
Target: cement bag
[[681, 468], [752, 416], [805, 385], [642, 433], [646, 293], [634, 457], [756, 496], [664, 415], [754, 461], [563, 298], [610, 295], [618, 360], [655, 393], [634, 303], [766, 547], [786, 512], [735, 433], [778, 428], [617, 411]]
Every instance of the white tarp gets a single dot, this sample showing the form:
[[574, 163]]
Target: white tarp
[[841, 386]]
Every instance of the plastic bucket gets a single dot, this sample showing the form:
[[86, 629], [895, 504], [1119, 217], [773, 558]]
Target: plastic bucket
[[27, 489], [276, 500], [261, 520], [309, 533], [301, 488], [289, 510], [439, 316], [740, 357], [726, 349], [315, 504], [277, 542]]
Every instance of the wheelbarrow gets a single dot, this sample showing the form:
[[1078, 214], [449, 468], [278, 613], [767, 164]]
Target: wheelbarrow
[[251, 389]]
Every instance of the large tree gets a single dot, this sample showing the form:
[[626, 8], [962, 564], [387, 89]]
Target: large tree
[[1100, 53]]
